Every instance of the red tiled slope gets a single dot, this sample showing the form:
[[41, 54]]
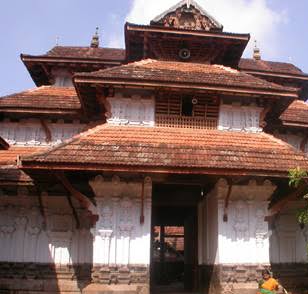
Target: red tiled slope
[[180, 72], [12, 175], [87, 52], [170, 148], [9, 173], [296, 113], [45, 97], [9, 157], [269, 66]]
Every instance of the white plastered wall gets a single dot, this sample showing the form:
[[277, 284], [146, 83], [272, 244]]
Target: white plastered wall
[[134, 110], [120, 238], [29, 132], [244, 237], [288, 241], [24, 238], [235, 117]]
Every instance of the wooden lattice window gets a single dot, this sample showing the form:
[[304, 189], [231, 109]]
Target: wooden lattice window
[[190, 111]]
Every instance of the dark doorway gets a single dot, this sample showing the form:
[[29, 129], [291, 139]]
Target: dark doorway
[[174, 238]]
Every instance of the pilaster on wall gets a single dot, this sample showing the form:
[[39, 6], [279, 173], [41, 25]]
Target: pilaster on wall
[[122, 234]]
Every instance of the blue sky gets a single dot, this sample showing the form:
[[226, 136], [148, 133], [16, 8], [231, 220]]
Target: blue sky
[[31, 27]]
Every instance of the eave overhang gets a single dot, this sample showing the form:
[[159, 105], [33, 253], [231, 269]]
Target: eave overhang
[[28, 166], [176, 31], [79, 80], [40, 67]]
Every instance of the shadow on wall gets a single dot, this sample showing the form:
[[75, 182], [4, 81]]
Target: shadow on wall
[[288, 251], [42, 254]]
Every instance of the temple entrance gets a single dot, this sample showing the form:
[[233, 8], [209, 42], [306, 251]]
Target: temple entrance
[[174, 239]]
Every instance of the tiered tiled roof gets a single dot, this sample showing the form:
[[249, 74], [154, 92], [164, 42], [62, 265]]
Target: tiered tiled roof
[[80, 53], [269, 66], [9, 157], [9, 173], [171, 150], [296, 114], [13, 176], [47, 99], [190, 74], [87, 52]]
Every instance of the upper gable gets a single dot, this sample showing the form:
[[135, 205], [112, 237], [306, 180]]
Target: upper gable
[[187, 14]]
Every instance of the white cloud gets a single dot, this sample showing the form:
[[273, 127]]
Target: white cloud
[[238, 16], [114, 38]]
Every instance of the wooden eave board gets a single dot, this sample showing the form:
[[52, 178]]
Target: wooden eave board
[[155, 29]]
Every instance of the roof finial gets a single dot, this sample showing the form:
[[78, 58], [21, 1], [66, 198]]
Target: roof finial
[[57, 40], [256, 52], [95, 39]]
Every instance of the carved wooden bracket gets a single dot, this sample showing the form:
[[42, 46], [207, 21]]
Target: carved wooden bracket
[[46, 130], [263, 115], [83, 200], [225, 216], [303, 143], [142, 205]]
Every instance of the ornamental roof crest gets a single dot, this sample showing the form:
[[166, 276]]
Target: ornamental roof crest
[[189, 15]]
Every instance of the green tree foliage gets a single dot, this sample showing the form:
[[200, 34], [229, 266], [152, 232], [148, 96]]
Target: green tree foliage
[[296, 177]]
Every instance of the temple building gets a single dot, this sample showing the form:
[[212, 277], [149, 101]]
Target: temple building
[[161, 167]]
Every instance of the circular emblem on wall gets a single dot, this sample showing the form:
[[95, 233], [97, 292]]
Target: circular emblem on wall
[[184, 53]]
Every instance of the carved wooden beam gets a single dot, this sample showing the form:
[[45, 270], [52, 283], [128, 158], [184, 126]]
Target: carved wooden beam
[[101, 97], [75, 214], [304, 142], [46, 130], [145, 45], [263, 115], [225, 216], [42, 209], [142, 205], [83, 200]]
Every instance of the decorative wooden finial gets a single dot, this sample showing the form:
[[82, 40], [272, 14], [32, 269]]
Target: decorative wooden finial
[[256, 52], [57, 40], [95, 39]]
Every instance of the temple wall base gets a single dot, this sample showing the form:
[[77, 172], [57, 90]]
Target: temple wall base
[[243, 279], [28, 278]]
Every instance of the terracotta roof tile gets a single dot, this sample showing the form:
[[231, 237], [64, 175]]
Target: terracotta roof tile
[[269, 66], [12, 175], [181, 72], [9, 157], [87, 52], [9, 172], [45, 97], [172, 149], [296, 114]]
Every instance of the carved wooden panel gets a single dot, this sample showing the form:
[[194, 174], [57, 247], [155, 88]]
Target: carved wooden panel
[[168, 111]]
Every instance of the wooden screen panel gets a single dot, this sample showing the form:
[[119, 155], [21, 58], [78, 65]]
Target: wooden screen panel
[[168, 111]]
